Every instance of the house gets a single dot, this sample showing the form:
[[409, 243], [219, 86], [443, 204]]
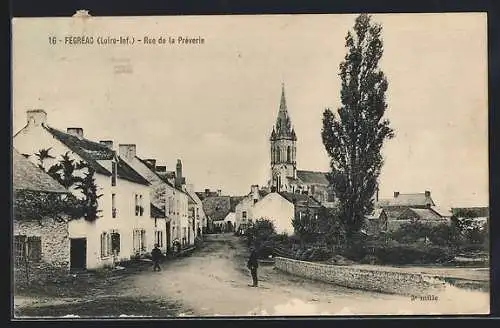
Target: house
[[160, 192], [415, 200], [282, 207], [392, 218], [226, 225], [41, 245], [123, 228], [183, 229], [243, 210], [217, 208], [208, 193], [196, 208]]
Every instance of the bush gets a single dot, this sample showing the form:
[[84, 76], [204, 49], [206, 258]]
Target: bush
[[412, 254]]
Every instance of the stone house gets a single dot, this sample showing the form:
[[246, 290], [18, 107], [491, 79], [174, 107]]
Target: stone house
[[392, 219], [41, 247], [217, 208], [123, 228], [282, 207]]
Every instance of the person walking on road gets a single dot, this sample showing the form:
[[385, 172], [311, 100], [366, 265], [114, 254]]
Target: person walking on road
[[156, 256], [253, 265]]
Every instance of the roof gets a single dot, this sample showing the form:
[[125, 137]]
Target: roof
[[27, 176], [425, 214], [161, 177], [300, 199], [283, 127], [234, 200], [393, 213], [443, 212], [217, 207], [156, 212], [89, 151], [409, 200], [230, 216], [202, 194], [375, 215], [126, 172], [312, 177], [263, 193]]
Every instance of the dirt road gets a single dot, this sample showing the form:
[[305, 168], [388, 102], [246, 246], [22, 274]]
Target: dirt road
[[214, 282]]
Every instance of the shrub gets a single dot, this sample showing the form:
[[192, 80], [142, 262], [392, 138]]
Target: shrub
[[412, 254]]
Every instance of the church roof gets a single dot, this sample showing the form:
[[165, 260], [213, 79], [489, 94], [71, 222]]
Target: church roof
[[283, 127], [312, 177], [300, 199]]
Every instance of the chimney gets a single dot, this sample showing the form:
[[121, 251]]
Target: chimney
[[127, 151], [151, 163], [161, 168], [107, 143], [178, 173], [255, 191], [427, 193], [36, 117], [396, 194], [219, 192], [77, 132]]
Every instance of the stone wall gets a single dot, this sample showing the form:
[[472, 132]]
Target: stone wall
[[408, 284], [55, 251]]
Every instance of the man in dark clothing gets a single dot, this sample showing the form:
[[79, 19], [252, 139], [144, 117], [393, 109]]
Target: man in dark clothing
[[253, 265], [156, 256]]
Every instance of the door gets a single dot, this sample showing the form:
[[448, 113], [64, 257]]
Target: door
[[78, 253], [168, 236]]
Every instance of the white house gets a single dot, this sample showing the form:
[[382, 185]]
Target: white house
[[124, 228], [243, 210], [159, 189], [282, 207], [197, 208]]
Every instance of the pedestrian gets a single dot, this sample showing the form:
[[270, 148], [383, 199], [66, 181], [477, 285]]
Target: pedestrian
[[253, 265], [156, 256]]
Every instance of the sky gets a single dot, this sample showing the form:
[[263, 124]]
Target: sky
[[213, 105]]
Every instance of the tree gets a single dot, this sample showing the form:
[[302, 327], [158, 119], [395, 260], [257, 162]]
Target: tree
[[354, 138], [260, 232], [42, 155], [305, 226], [330, 226]]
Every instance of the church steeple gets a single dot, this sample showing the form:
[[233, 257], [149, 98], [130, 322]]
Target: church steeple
[[283, 149], [283, 128]]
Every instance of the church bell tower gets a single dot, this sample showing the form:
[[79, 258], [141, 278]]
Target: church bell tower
[[283, 150]]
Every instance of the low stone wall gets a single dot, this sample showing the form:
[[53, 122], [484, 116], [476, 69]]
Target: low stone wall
[[408, 284]]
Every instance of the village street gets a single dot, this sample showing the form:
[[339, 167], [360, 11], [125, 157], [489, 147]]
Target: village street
[[214, 282]]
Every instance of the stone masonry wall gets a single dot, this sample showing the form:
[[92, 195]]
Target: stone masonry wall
[[408, 284], [55, 250]]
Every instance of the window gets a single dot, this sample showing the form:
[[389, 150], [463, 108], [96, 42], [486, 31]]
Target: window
[[19, 249], [244, 214], [141, 207], [136, 202], [113, 173], [34, 248], [105, 245], [159, 238], [288, 155], [115, 243], [255, 201], [139, 241], [113, 205]]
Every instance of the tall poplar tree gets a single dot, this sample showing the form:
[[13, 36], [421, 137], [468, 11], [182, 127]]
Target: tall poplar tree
[[354, 136]]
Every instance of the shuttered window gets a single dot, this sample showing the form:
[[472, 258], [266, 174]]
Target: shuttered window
[[34, 247]]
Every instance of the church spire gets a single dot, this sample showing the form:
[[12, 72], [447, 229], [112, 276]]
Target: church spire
[[283, 123]]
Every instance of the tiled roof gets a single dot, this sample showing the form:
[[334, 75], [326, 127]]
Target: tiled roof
[[217, 207], [27, 176], [312, 177], [156, 212], [300, 199], [425, 214], [409, 200], [126, 172], [89, 151], [263, 193]]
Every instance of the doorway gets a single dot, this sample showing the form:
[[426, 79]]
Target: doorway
[[168, 237], [78, 253]]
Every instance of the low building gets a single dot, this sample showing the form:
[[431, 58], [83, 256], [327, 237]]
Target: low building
[[41, 242], [281, 208], [243, 210], [413, 200]]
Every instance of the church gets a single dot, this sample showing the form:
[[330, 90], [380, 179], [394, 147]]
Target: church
[[285, 177]]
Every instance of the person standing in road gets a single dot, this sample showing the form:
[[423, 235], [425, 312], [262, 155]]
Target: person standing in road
[[156, 256], [253, 265]]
